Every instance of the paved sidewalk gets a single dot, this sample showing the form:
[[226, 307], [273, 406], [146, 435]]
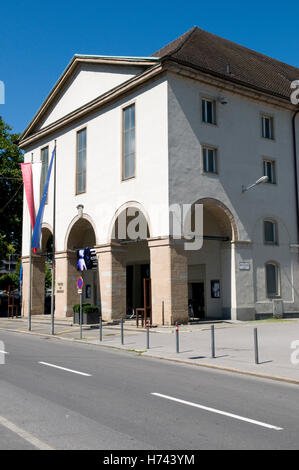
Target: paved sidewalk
[[234, 343]]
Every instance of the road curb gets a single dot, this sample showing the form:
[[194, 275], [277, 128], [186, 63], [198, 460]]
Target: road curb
[[164, 358]]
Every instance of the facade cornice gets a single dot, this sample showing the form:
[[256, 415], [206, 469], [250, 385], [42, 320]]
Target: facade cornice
[[28, 139], [229, 85], [29, 136]]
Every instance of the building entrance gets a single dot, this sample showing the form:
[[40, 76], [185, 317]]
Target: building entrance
[[138, 288], [197, 300]]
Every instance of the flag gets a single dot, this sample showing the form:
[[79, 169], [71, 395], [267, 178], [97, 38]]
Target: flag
[[20, 280], [36, 236], [36, 177], [28, 186]]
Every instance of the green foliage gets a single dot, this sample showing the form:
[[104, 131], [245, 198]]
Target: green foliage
[[11, 194], [10, 279], [48, 276], [86, 308]]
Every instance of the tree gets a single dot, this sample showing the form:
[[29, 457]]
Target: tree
[[48, 276], [11, 193]]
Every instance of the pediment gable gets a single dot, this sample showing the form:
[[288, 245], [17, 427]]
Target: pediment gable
[[85, 79]]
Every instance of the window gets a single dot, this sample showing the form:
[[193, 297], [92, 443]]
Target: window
[[209, 160], [208, 109], [45, 164], [81, 162], [269, 170], [272, 280], [128, 157], [270, 232], [267, 127]]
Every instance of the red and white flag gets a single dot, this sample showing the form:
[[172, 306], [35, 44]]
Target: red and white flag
[[28, 186]]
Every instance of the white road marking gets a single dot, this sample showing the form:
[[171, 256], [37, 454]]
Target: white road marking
[[4, 352], [224, 413], [64, 368], [25, 435]]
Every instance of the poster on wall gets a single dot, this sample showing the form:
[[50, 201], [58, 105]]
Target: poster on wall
[[86, 259], [215, 289]]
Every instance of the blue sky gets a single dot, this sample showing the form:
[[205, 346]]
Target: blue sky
[[38, 39]]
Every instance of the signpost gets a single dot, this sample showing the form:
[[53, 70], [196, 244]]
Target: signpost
[[80, 288]]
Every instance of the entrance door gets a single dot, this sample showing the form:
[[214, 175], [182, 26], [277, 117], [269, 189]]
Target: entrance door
[[198, 299], [138, 288]]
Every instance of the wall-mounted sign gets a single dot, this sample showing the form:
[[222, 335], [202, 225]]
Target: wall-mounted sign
[[244, 266], [86, 259]]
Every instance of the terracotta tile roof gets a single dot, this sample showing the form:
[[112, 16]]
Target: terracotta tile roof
[[212, 54]]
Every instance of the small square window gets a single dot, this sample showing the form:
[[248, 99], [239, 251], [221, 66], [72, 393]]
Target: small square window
[[267, 127], [208, 109], [209, 160], [270, 171]]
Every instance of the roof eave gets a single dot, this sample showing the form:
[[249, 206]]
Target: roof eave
[[93, 105], [75, 61]]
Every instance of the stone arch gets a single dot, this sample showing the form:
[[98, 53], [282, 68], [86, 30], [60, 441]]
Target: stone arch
[[218, 209], [47, 233], [210, 268], [121, 209], [81, 220]]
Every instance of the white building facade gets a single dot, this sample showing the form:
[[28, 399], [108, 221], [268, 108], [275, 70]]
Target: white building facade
[[137, 137]]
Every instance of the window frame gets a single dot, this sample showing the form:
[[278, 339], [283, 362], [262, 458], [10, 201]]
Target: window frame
[[214, 110], [274, 223], [77, 193], [278, 280], [273, 163], [271, 118], [123, 109], [215, 149]]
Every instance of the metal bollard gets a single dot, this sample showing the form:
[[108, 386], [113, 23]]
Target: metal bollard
[[163, 312], [256, 346], [80, 316], [213, 341], [101, 328], [147, 333], [177, 337], [122, 330]]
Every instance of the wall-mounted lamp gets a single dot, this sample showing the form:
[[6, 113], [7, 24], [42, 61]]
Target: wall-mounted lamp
[[80, 208], [222, 100], [263, 179]]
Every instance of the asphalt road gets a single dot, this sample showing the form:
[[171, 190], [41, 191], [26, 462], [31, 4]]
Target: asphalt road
[[111, 399]]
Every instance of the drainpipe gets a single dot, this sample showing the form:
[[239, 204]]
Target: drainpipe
[[295, 169]]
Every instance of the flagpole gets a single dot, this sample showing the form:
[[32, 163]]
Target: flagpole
[[30, 267], [53, 248], [30, 278]]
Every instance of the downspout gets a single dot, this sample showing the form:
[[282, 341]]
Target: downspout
[[295, 169]]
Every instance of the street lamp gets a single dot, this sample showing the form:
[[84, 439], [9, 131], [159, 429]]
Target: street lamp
[[263, 179]]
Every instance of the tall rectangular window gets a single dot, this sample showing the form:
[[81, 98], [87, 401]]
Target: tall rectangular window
[[209, 160], [208, 109], [270, 232], [272, 280], [267, 127], [81, 162], [128, 131], [44, 173], [269, 170]]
